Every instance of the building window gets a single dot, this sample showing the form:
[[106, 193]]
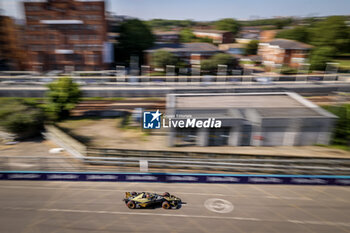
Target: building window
[[93, 58], [74, 37], [33, 8], [32, 17]]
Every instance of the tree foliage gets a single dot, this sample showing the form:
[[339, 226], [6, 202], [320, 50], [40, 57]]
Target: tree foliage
[[320, 56], [332, 32], [20, 118], [281, 23], [301, 34], [167, 24], [162, 58], [63, 95], [135, 36], [187, 36], [211, 65], [341, 133], [251, 48], [277, 22], [331, 37], [228, 24]]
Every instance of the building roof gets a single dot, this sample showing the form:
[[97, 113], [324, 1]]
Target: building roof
[[290, 44], [277, 104], [232, 46], [209, 31], [184, 47]]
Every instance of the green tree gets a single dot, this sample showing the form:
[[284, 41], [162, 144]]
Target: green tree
[[228, 24], [341, 133], [63, 95], [162, 58], [211, 65], [186, 35], [301, 34], [251, 48], [320, 56], [135, 36], [168, 24], [281, 23], [332, 32], [20, 118], [204, 40]]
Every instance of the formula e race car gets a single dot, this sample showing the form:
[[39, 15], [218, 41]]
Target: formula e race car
[[151, 200]]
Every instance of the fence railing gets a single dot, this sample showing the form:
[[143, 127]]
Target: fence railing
[[146, 164], [180, 80]]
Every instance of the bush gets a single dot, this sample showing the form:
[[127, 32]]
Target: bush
[[341, 133], [228, 24], [320, 56], [20, 118], [251, 48], [62, 96], [211, 65], [162, 58], [288, 70]]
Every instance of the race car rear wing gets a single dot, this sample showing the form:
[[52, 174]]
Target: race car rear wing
[[127, 194]]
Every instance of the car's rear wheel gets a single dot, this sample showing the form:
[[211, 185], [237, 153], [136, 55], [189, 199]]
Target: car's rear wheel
[[131, 205], [166, 205]]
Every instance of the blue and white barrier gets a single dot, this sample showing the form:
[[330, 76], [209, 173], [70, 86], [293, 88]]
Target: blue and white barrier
[[177, 178]]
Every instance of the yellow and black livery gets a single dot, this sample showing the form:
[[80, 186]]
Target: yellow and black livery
[[135, 200]]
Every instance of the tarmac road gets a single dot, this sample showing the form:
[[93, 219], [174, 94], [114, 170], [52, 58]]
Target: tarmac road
[[41, 206]]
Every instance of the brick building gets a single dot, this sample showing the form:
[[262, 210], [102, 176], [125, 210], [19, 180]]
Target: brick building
[[65, 33], [267, 35], [218, 36], [12, 55], [284, 52]]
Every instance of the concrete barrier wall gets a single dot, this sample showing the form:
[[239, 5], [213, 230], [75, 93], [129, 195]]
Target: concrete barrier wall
[[178, 178], [147, 91], [72, 145]]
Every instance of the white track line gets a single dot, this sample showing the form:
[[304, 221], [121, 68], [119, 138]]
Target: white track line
[[123, 190]]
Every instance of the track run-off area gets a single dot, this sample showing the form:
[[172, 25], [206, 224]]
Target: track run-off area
[[63, 206]]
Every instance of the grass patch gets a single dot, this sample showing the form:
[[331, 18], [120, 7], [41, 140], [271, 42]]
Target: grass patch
[[246, 62], [343, 63], [157, 73], [340, 147]]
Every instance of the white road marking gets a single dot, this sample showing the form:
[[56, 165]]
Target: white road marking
[[344, 224], [289, 198], [123, 190], [218, 205]]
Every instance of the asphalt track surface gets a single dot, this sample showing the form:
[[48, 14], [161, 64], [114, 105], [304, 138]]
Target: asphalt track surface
[[42, 206]]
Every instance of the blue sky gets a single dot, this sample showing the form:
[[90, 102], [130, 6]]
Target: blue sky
[[211, 9]]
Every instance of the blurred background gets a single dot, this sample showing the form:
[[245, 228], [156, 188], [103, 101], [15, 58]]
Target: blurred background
[[78, 78]]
